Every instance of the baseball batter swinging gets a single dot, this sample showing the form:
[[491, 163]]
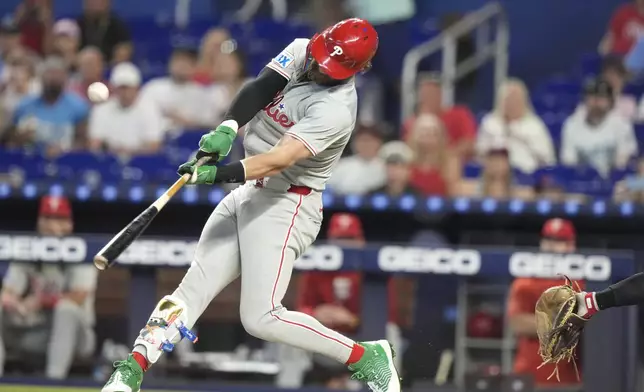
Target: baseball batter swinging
[[300, 112]]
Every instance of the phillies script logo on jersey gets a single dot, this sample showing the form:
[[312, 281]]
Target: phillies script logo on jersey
[[274, 111]]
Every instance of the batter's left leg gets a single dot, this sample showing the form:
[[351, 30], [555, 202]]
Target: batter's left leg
[[273, 232]]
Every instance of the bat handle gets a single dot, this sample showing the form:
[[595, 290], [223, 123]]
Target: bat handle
[[200, 162]]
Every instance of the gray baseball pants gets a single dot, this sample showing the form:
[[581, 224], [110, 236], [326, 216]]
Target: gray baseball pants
[[259, 232]]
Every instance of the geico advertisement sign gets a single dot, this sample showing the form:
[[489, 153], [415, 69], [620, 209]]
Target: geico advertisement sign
[[321, 257], [43, 249], [438, 261], [174, 253], [547, 265]]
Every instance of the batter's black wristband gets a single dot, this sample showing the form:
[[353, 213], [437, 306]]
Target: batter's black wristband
[[629, 291], [231, 173]]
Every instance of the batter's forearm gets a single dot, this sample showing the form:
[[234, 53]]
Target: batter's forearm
[[263, 165]]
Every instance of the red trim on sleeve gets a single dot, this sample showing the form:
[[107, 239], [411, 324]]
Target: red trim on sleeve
[[306, 144]]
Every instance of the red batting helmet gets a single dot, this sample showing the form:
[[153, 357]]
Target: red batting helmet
[[346, 48]]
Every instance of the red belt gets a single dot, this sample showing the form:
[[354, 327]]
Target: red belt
[[298, 189]]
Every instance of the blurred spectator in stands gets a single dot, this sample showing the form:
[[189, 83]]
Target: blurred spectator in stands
[[54, 120], [437, 168], [595, 135], [66, 41], [215, 42], [371, 100], [514, 124], [90, 68], [102, 28], [9, 41], [624, 29], [398, 158], [35, 19], [126, 125], [614, 72], [557, 236], [334, 299], [230, 74], [497, 179], [631, 188], [459, 122], [364, 171], [21, 81], [48, 308], [183, 103]]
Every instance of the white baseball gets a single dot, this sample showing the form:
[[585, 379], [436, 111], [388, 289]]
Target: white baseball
[[98, 92]]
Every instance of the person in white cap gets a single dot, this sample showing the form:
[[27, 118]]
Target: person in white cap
[[398, 158], [126, 125]]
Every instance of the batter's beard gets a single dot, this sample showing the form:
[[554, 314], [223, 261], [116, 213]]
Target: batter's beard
[[316, 76]]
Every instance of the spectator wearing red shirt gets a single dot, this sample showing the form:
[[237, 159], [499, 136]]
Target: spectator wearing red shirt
[[557, 236], [35, 19], [334, 299], [436, 169], [459, 122], [626, 26]]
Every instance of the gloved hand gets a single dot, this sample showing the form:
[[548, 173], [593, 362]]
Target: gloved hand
[[205, 173], [219, 141], [558, 326]]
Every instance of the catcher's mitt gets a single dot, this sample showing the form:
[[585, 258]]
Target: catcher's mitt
[[558, 326]]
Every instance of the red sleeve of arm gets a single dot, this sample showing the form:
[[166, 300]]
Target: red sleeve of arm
[[467, 127], [519, 298], [307, 296], [617, 20]]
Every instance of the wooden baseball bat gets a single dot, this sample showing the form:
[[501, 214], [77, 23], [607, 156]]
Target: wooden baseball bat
[[113, 249]]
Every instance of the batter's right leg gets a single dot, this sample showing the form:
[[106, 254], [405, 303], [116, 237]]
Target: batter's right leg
[[215, 265]]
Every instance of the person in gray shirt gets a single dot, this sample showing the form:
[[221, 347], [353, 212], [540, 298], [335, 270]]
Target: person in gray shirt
[[48, 309]]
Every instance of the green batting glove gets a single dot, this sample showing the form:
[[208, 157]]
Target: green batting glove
[[219, 141], [205, 174]]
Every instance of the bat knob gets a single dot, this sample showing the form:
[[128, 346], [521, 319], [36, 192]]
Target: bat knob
[[101, 262]]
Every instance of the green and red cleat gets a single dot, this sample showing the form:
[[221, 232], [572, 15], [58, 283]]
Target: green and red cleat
[[376, 367], [127, 377]]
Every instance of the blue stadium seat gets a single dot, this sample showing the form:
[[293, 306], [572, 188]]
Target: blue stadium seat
[[27, 164], [87, 167], [187, 139], [154, 168], [472, 170], [10, 158]]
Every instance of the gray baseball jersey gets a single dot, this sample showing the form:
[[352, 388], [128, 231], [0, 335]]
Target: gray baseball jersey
[[260, 229], [322, 118]]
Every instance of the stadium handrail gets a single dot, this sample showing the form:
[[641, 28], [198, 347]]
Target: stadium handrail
[[497, 49]]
